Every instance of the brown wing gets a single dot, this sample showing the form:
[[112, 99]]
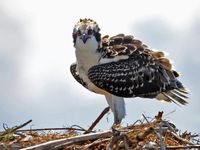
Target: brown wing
[[126, 45], [144, 73]]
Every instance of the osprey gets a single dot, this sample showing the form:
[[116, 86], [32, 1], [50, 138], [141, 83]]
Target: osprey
[[122, 67]]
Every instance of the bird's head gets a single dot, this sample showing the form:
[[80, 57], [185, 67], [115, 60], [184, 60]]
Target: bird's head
[[86, 34]]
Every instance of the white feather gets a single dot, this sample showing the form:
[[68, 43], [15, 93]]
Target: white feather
[[87, 56], [117, 105], [114, 59], [86, 53]]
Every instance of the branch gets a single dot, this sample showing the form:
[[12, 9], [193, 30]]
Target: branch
[[97, 120], [14, 129], [181, 139], [143, 135], [97, 142], [47, 129], [183, 147]]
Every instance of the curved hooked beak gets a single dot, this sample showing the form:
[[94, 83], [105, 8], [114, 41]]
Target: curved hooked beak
[[84, 37]]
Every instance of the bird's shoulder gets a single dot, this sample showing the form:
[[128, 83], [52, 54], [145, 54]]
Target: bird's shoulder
[[126, 45], [121, 45]]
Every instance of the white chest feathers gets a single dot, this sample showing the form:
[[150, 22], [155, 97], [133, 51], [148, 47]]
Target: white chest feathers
[[87, 56], [86, 53]]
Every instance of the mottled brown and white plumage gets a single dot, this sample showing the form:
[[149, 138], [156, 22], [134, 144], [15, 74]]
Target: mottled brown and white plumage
[[122, 66]]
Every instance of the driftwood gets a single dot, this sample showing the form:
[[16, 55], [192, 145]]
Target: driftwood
[[181, 139], [99, 141], [183, 147], [57, 144]]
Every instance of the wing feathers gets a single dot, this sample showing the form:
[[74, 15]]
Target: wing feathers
[[144, 73], [126, 45], [135, 76], [76, 75]]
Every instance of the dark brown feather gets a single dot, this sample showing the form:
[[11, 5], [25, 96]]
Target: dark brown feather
[[126, 45]]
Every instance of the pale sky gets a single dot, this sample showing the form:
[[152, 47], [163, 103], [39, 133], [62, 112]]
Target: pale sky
[[36, 51]]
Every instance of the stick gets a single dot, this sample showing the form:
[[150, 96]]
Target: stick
[[145, 118], [95, 143], [183, 147], [61, 143], [170, 127], [159, 116], [105, 111], [160, 134], [181, 139], [143, 135], [47, 129], [116, 136], [14, 129]]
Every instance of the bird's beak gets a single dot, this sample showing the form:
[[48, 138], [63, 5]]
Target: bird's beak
[[84, 37]]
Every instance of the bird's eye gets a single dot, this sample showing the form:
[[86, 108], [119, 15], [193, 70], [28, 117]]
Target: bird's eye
[[78, 33], [90, 32]]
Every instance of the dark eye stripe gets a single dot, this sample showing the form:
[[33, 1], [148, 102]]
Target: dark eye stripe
[[78, 33]]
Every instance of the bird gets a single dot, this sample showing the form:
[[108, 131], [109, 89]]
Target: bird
[[122, 66]]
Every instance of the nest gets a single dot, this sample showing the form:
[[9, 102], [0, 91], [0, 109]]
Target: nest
[[156, 133]]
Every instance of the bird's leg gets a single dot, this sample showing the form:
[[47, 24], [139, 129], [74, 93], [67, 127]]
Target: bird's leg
[[117, 105]]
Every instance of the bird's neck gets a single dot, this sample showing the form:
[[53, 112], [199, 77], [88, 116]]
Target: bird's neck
[[86, 58], [87, 54]]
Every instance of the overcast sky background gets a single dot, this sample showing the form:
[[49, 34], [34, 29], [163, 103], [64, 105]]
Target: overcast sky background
[[36, 51]]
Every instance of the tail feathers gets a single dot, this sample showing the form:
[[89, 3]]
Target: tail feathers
[[183, 90], [175, 96], [181, 94]]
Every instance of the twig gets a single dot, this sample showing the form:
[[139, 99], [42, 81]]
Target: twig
[[145, 118], [126, 142], [137, 122], [116, 136], [169, 125], [47, 129], [159, 116], [61, 143], [160, 134], [14, 129], [169, 113], [183, 147], [77, 126], [143, 135], [118, 140], [97, 120], [21, 126], [5, 126], [181, 139], [95, 143]]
